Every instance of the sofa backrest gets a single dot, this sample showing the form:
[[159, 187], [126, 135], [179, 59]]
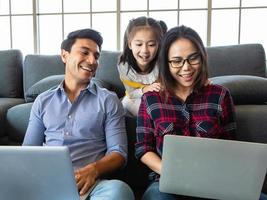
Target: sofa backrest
[[243, 59], [108, 72], [38, 67], [40, 72], [11, 74]]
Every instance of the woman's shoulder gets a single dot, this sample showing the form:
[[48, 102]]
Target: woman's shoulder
[[152, 96], [216, 89]]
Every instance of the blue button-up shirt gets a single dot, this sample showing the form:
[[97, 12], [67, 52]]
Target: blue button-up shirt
[[92, 126]]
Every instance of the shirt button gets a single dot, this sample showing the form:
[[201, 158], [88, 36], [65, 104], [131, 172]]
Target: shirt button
[[67, 133], [69, 116]]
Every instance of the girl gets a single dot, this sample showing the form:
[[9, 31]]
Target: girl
[[137, 63], [186, 105]]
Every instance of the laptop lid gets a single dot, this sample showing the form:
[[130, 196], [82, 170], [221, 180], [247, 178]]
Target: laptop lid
[[36, 173], [212, 168]]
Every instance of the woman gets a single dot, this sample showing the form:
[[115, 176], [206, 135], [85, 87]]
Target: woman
[[185, 105]]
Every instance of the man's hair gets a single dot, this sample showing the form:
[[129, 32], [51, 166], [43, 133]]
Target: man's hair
[[81, 34]]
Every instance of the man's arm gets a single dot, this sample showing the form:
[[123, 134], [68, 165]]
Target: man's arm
[[116, 142], [35, 131]]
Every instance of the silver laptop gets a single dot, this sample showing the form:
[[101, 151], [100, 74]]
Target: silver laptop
[[36, 173], [213, 168]]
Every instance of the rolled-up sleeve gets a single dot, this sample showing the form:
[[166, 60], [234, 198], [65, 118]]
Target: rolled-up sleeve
[[145, 140], [115, 130], [35, 131]]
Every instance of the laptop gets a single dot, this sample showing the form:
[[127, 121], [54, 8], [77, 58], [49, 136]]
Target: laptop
[[212, 168], [37, 173]]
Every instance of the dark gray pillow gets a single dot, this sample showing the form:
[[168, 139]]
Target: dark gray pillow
[[11, 74], [53, 81], [102, 83], [244, 89], [43, 85]]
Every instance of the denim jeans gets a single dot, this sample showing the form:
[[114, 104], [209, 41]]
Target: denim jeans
[[111, 190], [153, 193], [263, 196]]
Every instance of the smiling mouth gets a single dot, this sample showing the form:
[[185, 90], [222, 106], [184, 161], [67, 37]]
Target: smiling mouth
[[87, 69], [144, 58], [186, 75]]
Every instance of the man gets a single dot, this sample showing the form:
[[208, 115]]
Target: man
[[86, 118]]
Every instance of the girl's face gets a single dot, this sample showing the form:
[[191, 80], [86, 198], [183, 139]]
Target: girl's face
[[184, 63], [144, 47]]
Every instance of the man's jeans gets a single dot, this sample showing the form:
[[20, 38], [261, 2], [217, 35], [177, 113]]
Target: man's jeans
[[111, 190]]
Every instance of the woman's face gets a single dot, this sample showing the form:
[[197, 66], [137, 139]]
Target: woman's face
[[184, 63], [144, 46]]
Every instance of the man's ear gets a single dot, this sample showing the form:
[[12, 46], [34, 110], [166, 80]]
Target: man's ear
[[64, 55]]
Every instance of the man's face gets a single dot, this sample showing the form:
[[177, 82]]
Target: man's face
[[82, 60]]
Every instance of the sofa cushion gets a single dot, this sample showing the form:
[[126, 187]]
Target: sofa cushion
[[5, 104], [244, 89], [107, 71], [36, 67], [242, 59], [53, 81], [17, 122], [42, 85], [11, 74]]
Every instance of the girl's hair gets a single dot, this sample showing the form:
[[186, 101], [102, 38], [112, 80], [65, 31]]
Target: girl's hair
[[165, 77], [134, 26]]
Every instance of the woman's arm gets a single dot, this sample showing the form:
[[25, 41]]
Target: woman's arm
[[153, 161], [228, 118]]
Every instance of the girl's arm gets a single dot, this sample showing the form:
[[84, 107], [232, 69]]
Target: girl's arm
[[133, 88]]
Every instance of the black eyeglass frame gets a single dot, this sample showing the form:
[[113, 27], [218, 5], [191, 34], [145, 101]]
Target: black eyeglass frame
[[196, 55]]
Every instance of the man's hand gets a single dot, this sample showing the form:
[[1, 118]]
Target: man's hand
[[153, 87], [86, 177]]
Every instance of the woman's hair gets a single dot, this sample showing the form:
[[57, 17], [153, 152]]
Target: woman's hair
[[134, 26], [165, 77]]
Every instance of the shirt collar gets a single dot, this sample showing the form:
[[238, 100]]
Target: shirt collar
[[91, 87]]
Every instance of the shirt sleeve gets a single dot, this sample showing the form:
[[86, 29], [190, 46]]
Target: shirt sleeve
[[227, 118], [115, 129], [145, 140], [133, 88], [35, 131]]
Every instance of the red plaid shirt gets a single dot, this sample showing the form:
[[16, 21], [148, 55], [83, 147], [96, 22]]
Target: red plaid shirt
[[208, 112]]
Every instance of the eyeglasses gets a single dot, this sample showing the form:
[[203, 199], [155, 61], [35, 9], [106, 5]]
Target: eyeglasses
[[193, 59]]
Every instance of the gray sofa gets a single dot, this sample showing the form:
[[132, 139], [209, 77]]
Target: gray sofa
[[241, 68]]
